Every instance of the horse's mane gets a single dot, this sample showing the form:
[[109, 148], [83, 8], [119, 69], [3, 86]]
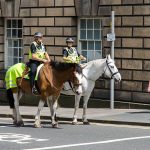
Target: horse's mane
[[90, 63], [62, 66]]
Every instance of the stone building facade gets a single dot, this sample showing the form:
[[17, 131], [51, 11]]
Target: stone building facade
[[58, 19]]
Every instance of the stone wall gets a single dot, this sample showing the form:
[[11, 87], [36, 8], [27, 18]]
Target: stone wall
[[132, 48], [54, 18]]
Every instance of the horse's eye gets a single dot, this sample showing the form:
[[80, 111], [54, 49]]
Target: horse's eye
[[112, 66]]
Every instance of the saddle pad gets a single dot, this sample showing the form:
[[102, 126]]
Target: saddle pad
[[15, 72]]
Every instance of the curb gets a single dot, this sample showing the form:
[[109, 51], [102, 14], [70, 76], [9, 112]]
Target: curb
[[114, 122]]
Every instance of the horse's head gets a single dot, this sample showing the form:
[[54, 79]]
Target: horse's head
[[111, 70], [69, 72], [76, 80]]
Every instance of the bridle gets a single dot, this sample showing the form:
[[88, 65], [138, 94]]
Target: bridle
[[73, 88], [108, 66]]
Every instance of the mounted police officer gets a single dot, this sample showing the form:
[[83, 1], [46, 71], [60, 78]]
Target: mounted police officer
[[70, 54], [37, 55]]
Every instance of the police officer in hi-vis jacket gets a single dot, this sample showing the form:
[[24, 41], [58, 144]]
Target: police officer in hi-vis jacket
[[37, 55], [70, 54]]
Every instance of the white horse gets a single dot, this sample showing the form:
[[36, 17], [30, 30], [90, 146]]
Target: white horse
[[92, 71]]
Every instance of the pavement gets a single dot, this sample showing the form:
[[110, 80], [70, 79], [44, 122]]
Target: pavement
[[138, 117]]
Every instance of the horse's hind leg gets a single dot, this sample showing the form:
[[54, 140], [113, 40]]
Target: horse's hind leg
[[77, 100], [37, 122], [84, 117], [14, 116], [19, 121]]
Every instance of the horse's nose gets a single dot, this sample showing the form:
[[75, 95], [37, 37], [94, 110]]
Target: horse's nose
[[78, 93]]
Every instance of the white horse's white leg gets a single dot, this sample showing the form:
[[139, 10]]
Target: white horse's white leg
[[20, 94], [85, 102], [16, 103], [77, 100], [14, 116], [37, 122], [52, 103]]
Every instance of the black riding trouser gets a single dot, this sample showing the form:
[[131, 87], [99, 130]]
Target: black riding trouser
[[32, 74]]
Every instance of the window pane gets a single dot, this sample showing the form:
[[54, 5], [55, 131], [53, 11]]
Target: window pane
[[19, 23], [90, 34], [10, 52], [98, 55], [83, 34], [15, 60], [14, 33], [15, 43], [16, 52], [84, 53], [8, 23], [10, 61], [9, 43], [84, 45], [20, 52], [90, 24], [96, 23], [91, 45], [97, 45], [20, 59], [83, 24], [20, 43], [14, 23], [97, 34], [20, 33], [8, 32], [90, 55]]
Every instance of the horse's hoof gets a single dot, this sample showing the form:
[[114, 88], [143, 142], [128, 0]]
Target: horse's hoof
[[37, 126], [86, 123], [19, 124], [15, 122], [74, 123], [55, 125]]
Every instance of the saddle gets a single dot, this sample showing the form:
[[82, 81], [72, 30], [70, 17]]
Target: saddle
[[25, 74]]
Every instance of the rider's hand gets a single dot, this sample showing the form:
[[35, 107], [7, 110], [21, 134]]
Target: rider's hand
[[83, 59], [45, 61]]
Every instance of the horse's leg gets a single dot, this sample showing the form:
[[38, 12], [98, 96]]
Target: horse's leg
[[16, 103], [77, 100], [37, 122], [14, 116], [52, 103], [20, 94], [85, 102]]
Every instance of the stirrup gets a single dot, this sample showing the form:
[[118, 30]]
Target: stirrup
[[35, 91]]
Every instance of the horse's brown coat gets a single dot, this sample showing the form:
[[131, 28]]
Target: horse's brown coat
[[50, 81]]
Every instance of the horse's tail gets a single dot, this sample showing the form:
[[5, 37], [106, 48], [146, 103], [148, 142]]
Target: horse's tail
[[10, 98]]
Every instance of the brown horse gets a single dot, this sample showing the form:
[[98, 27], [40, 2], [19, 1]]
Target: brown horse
[[50, 82]]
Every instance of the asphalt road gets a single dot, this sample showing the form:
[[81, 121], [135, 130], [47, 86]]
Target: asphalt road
[[71, 137]]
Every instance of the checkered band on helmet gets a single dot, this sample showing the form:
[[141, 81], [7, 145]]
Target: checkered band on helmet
[[38, 34], [69, 40]]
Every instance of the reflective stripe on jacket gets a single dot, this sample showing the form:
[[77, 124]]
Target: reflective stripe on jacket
[[40, 52], [72, 53]]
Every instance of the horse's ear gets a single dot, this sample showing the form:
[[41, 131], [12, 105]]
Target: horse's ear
[[108, 56]]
